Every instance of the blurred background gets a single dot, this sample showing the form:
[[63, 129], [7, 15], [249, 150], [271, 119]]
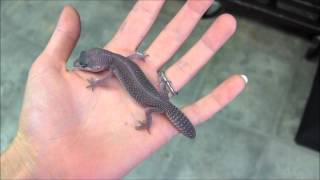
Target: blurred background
[[253, 137]]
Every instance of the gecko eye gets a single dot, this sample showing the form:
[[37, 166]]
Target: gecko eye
[[82, 64]]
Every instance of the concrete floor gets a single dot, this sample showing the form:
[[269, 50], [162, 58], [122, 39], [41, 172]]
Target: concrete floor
[[250, 138]]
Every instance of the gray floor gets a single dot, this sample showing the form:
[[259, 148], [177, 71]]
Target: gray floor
[[251, 138]]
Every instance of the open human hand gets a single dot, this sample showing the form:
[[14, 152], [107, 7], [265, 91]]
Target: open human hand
[[68, 131]]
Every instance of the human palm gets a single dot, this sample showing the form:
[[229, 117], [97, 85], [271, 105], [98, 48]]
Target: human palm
[[75, 132], [93, 126]]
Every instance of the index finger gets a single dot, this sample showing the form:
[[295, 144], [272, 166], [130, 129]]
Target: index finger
[[135, 27]]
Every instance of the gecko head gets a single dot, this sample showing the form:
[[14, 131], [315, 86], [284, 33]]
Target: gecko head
[[93, 60]]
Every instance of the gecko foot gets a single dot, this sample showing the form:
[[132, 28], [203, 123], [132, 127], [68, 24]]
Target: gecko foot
[[92, 83], [166, 88], [142, 125]]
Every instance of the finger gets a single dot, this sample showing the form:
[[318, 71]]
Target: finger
[[64, 37], [135, 26], [176, 32], [207, 106], [184, 69]]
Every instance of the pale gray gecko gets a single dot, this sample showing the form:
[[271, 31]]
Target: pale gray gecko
[[136, 83]]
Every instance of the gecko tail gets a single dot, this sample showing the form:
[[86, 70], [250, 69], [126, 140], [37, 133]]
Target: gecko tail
[[180, 121]]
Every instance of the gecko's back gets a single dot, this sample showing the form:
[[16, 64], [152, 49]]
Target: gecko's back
[[141, 89], [135, 81]]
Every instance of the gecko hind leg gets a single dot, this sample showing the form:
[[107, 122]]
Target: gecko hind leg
[[146, 124], [166, 88], [164, 92], [137, 56], [93, 83]]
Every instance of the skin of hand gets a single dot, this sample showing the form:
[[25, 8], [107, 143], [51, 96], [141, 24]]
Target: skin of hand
[[68, 131]]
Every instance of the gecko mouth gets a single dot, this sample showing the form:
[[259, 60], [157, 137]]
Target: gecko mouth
[[78, 66], [85, 68]]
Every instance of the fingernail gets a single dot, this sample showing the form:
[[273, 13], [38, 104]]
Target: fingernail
[[245, 78]]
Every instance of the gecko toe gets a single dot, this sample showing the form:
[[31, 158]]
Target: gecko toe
[[90, 86], [142, 125]]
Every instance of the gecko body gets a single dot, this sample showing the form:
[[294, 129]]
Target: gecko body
[[137, 85]]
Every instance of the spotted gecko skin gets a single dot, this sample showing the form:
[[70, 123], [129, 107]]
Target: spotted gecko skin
[[137, 84]]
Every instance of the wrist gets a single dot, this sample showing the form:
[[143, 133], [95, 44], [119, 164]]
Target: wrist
[[18, 160]]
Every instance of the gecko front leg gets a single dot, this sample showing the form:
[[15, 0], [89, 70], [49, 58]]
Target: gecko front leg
[[93, 83]]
